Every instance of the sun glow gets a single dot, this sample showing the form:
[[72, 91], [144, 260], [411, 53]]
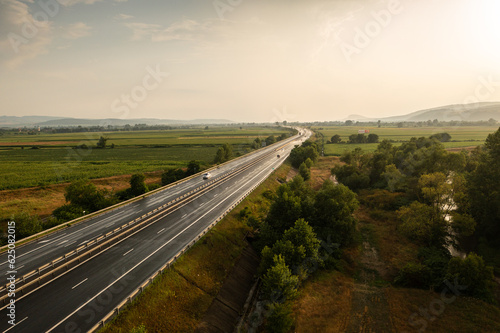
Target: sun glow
[[484, 27]]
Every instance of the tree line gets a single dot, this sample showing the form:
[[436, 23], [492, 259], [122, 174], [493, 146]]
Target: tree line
[[432, 186], [302, 231]]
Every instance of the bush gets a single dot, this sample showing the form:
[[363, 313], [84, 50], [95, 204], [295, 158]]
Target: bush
[[473, 273], [26, 225], [153, 187], [436, 259], [278, 284], [137, 185], [414, 275], [171, 175], [304, 171], [51, 222], [68, 212], [280, 318], [244, 213]]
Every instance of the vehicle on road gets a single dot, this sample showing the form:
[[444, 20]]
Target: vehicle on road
[[207, 175]]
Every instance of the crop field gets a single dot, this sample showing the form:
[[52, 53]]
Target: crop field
[[466, 136], [56, 159], [197, 136]]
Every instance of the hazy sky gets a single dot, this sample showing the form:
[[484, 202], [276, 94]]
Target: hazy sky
[[245, 60]]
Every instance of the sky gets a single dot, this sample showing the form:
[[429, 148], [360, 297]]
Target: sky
[[246, 60]]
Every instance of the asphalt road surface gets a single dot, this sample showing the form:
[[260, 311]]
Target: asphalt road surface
[[80, 298]]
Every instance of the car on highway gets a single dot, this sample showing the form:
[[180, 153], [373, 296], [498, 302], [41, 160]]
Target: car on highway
[[207, 175]]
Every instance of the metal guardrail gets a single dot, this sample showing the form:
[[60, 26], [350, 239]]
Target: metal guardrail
[[150, 280], [106, 239], [62, 264], [90, 216]]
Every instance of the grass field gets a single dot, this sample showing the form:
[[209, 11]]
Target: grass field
[[466, 136], [56, 160], [196, 136]]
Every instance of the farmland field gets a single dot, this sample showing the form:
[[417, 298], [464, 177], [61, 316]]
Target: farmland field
[[466, 136], [56, 159]]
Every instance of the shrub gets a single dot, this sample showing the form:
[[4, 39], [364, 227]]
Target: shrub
[[278, 284], [414, 275], [473, 273], [280, 318], [26, 225], [68, 212]]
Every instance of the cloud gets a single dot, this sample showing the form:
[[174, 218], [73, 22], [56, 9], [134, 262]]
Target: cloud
[[123, 17], [142, 30], [186, 29], [23, 37], [183, 30], [77, 30], [69, 3]]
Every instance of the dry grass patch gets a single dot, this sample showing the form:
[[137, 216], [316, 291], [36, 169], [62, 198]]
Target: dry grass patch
[[324, 304], [172, 304], [393, 248], [42, 201], [464, 314], [321, 170]]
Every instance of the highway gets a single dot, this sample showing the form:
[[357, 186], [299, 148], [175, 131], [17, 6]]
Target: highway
[[78, 299]]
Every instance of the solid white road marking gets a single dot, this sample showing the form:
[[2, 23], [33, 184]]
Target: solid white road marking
[[15, 325], [76, 285], [143, 260], [128, 252], [85, 241]]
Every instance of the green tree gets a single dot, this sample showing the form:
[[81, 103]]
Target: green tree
[[171, 175], [442, 137], [219, 156], [372, 138], [336, 139], [137, 184], [257, 143], [280, 319], [483, 184], [278, 283], [224, 153], [333, 209], [298, 155], [309, 162], [304, 171], [472, 273], [101, 144], [228, 151], [270, 140], [299, 247], [421, 222], [84, 194], [26, 224], [193, 168], [68, 212]]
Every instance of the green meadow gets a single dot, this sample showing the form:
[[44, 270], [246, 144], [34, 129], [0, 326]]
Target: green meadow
[[461, 137], [44, 159]]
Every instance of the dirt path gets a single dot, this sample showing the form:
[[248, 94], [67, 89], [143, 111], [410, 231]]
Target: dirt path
[[369, 308]]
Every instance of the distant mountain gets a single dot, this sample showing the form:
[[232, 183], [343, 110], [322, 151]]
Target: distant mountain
[[30, 121], [460, 112], [12, 121]]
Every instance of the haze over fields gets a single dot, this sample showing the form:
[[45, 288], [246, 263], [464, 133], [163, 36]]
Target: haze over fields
[[245, 60]]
